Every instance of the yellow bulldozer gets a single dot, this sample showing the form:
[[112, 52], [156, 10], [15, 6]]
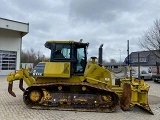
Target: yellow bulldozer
[[69, 81]]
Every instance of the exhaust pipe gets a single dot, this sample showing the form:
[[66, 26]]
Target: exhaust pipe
[[100, 60]]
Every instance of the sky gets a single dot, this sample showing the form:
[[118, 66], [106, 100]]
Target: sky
[[108, 22]]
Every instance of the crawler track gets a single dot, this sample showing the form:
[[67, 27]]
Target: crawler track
[[71, 96]]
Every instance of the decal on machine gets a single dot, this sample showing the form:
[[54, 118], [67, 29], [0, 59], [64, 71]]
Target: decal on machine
[[37, 74]]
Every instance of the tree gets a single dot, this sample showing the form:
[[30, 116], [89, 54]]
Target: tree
[[151, 38], [104, 62], [113, 61], [31, 56]]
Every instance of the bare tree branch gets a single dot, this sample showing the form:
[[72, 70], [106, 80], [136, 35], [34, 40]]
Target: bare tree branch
[[31, 56], [151, 39]]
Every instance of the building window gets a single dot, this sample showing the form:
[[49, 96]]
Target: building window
[[115, 66], [8, 60], [135, 60], [143, 59]]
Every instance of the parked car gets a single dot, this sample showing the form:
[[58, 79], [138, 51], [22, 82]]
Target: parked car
[[145, 72]]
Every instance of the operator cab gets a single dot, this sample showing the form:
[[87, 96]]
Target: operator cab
[[69, 51]]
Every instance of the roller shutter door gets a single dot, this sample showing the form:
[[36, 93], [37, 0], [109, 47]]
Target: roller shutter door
[[7, 62]]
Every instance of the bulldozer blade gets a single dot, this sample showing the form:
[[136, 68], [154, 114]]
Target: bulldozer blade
[[126, 97], [10, 85], [21, 85], [125, 101], [146, 108]]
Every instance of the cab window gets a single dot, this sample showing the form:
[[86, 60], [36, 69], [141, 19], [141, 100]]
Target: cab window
[[80, 60], [62, 51]]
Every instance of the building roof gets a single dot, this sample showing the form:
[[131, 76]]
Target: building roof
[[150, 57], [14, 25]]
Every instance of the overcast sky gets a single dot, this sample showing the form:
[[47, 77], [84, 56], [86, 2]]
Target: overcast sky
[[111, 22]]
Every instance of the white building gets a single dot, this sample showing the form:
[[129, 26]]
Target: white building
[[11, 33]]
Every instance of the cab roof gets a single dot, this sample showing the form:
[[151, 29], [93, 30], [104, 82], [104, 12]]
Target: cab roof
[[63, 41], [48, 44]]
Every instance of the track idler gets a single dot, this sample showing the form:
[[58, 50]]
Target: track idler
[[10, 86]]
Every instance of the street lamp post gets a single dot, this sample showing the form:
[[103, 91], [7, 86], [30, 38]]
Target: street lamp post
[[120, 56]]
